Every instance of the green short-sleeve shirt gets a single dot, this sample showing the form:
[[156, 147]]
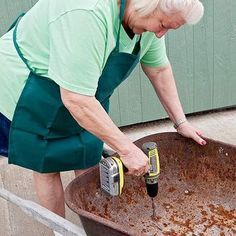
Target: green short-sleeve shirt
[[68, 42]]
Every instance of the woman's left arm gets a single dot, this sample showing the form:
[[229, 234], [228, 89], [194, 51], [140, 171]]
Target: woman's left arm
[[162, 80]]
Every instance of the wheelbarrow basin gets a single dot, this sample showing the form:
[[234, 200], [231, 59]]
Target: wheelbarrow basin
[[196, 193]]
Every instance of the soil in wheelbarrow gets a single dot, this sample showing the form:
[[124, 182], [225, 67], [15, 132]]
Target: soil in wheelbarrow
[[196, 194]]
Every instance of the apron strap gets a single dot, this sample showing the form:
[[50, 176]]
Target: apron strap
[[16, 44], [122, 11], [137, 47], [16, 21]]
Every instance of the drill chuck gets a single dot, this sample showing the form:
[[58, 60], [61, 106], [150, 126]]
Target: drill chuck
[[152, 189]]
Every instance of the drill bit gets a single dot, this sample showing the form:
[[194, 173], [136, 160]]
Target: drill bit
[[153, 209]]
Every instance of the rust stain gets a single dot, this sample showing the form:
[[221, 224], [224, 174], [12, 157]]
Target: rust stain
[[196, 193], [172, 189]]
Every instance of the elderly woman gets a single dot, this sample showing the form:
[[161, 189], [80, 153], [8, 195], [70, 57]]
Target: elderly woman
[[60, 64]]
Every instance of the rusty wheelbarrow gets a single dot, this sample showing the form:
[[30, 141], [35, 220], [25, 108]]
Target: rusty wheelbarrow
[[196, 193]]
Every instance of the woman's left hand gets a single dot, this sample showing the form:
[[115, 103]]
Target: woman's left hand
[[188, 131]]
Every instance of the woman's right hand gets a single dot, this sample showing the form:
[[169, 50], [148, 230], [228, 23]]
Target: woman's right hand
[[135, 161]]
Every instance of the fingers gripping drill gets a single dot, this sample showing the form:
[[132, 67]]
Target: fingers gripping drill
[[112, 173]]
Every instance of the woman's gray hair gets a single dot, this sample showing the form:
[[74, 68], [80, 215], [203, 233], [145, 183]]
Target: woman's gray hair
[[191, 10]]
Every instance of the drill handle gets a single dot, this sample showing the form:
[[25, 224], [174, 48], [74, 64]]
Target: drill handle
[[109, 153]]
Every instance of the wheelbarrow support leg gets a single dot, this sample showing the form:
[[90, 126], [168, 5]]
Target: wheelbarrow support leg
[[43, 215]]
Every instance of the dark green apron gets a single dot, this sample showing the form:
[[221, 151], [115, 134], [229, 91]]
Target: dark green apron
[[44, 136]]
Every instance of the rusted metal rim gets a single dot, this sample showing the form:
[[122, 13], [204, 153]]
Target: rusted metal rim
[[70, 202], [166, 140]]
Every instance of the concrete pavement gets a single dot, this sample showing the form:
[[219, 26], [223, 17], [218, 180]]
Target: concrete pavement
[[218, 125]]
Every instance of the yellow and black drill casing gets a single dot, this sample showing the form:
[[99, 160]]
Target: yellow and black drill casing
[[151, 178], [150, 149], [112, 172]]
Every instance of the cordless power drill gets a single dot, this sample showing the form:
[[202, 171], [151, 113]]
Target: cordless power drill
[[151, 178], [112, 172]]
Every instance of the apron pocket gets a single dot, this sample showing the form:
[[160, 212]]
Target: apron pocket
[[54, 155]]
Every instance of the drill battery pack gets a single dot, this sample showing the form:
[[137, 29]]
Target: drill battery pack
[[111, 175]]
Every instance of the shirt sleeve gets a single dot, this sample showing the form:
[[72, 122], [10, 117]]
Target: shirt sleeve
[[156, 54], [77, 46]]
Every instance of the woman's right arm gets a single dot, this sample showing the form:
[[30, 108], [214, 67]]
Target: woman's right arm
[[90, 115]]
